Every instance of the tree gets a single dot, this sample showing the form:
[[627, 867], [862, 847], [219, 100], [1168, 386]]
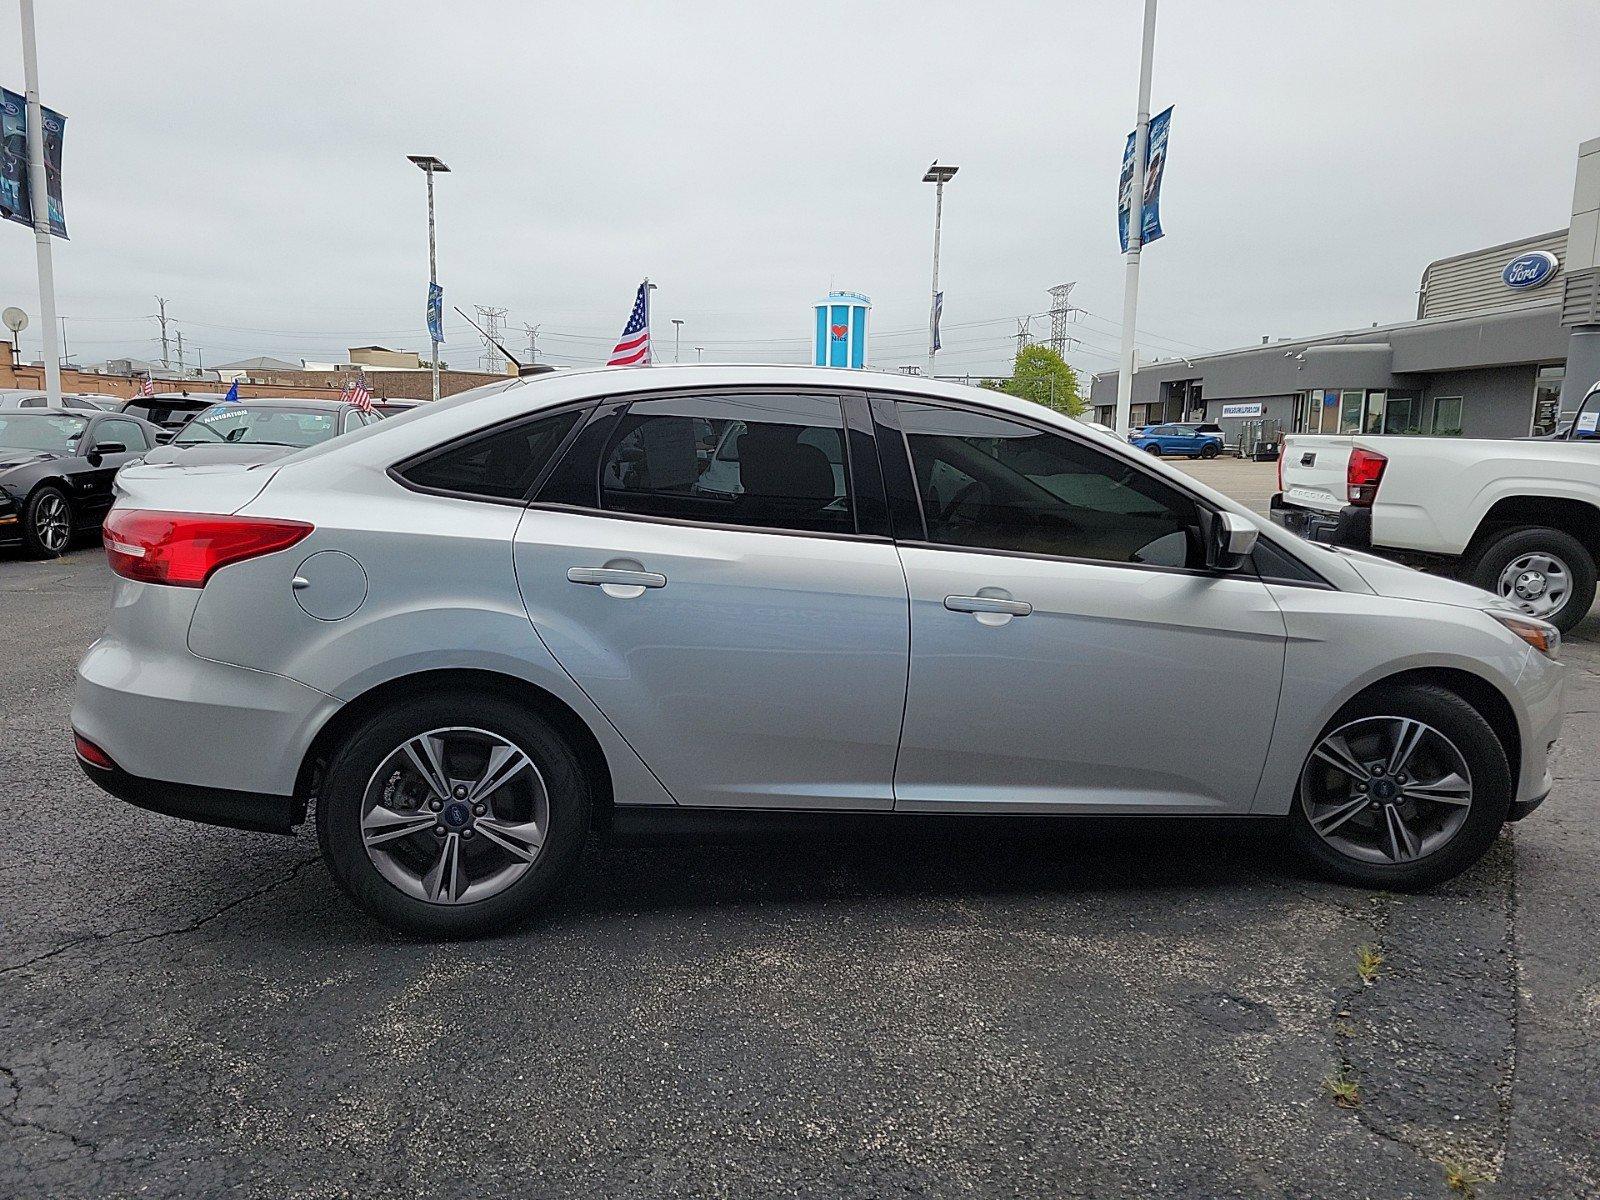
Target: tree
[[1043, 376]]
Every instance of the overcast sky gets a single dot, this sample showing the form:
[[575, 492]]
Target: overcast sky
[[246, 161]]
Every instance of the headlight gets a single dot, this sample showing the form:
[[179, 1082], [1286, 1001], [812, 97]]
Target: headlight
[[1541, 635]]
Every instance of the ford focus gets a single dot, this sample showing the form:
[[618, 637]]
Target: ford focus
[[466, 637]]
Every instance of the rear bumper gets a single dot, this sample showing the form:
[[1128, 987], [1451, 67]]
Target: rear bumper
[[212, 806], [1351, 526]]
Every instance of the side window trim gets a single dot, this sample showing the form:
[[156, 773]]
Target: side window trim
[[907, 520], [396, 471]]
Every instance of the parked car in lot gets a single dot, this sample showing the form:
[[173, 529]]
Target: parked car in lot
[[256, 431], [393, 408], [1176, 439], [1519, 517], [56, 469], [170, 411], [82, 401], [475, 637]]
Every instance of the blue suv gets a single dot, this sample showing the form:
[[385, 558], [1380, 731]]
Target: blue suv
[[1177, 439]]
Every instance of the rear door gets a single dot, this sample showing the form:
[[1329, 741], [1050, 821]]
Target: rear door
[[1067, 650], [726, 597]]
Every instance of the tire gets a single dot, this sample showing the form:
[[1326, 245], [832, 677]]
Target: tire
[[47, 522], [1209, 450], [1489, 792], [390, 893], [1493, 571], [1153, 448]]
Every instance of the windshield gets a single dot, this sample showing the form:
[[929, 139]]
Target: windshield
[[40, 431], [259, 426]]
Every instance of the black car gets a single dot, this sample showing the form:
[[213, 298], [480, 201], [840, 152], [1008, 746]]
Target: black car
[[56, 468], [171, 411]]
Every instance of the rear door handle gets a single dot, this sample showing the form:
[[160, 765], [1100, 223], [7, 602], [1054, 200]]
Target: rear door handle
[[987, 604], [601, 576]]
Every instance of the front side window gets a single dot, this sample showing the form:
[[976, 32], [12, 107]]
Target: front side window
[[500, 464], [770, 461], [990, 483], [129, 433]]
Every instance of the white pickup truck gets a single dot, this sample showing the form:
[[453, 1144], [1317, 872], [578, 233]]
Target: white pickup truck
[[1520, 518]]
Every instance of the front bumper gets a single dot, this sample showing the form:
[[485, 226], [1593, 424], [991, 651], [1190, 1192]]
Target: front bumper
[[1351, 526]]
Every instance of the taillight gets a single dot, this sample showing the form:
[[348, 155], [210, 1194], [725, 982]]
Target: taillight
[[1363, 475], [1283, 453], [186, 549]]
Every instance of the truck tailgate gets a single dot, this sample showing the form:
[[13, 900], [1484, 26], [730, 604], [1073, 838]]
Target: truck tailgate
[[1314, 470]]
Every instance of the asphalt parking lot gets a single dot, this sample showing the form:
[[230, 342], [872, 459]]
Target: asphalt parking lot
[[1108, 1011]]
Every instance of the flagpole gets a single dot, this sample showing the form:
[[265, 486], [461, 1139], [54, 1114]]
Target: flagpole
[[39, 199], [1130, 286]]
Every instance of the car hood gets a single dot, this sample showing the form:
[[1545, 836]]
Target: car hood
[[1406, 583], [12, 459], [211, 455]]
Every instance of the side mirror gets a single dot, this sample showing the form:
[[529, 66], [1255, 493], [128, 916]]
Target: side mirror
[[110, 448], [1229, 539], [163, 436]]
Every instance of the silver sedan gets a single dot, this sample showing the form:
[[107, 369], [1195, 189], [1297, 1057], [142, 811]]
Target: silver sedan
[[475, 632]]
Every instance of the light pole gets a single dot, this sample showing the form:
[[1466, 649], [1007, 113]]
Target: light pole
[[938, 176], [697, 351], [429, 165], [1130, 285], [39, 198], [677, 337]]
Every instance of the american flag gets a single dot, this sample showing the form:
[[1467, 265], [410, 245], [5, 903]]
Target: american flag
[[634, 348], [147, 387], [357, 394]]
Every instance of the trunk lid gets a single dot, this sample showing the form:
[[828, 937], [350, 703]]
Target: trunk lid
[[213, 488]]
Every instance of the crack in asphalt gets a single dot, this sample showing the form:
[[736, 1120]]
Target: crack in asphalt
[[10, 1115], [189, 927]]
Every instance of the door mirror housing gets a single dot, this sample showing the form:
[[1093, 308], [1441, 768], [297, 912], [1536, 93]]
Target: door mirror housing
[[1228, 539], [110, 448]]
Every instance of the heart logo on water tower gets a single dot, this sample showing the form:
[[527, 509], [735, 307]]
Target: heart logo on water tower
[[839, 331]]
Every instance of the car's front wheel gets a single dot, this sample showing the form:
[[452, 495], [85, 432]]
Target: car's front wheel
[[453, 815], [1154, 448], [1209, 450], [1406, 787], [47, 522]]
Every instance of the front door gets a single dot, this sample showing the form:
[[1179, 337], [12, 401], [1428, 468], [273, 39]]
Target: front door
[[711, 575], [1067, 652], [92, 490]]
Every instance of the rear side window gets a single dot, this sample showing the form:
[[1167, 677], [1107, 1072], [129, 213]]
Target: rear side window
[[769, 461], [502, 464]]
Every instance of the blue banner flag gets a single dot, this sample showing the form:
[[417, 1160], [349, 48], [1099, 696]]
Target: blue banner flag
[[15, 202], [938, 311], [233, 393], [435, 312], [1155, 161]]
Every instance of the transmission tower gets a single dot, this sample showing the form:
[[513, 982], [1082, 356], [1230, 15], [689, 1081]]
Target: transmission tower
[[533, 342], [490, 319], [1024, 334], [1061, 315]]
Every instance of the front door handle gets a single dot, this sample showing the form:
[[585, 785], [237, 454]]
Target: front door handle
[[988, 604], [602, 576]]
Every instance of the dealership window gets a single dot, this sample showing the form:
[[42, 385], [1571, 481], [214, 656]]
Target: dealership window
[[1446, 416], [1547, 412], [1350, 412]]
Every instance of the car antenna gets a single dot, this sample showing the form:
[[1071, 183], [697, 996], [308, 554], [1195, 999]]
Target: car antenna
[[532, 369]]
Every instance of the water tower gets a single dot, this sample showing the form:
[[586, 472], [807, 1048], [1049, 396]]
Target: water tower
[[841, 339]]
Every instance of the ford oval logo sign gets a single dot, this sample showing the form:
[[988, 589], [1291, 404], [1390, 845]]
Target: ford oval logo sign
[[1530, 270]]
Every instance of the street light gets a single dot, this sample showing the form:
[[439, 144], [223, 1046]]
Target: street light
[[430, 165], [677, 336], [937, 175], [697, 351]]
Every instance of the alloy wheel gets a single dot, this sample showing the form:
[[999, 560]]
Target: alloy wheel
[[51, 524], [1387, 790], [1538, 583], [455, 815]]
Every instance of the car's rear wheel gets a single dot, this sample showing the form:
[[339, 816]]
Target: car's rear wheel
[[47, 522], [1545, 572], [453, 815], [1407, 787]]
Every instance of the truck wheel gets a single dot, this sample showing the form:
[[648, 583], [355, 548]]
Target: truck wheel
[[1546, 573]]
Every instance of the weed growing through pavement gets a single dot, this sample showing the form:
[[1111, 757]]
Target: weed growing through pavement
[[1368, 961], [1342, 1087]]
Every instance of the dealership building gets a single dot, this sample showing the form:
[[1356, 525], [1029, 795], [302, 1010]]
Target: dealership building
[[1506, 339]]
